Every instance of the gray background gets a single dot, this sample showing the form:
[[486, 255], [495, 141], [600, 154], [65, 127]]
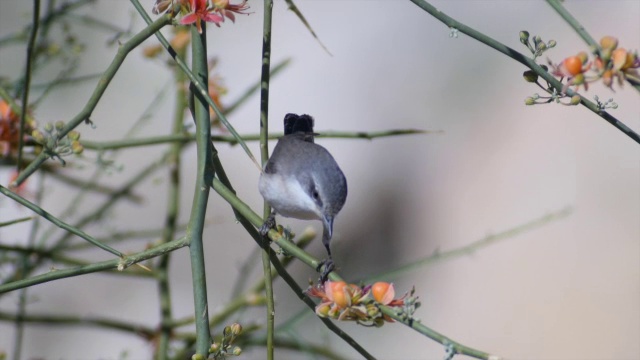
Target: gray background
[[569, 290]]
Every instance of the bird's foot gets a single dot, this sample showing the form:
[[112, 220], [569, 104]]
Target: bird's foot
[[327, 267], [269, 223]]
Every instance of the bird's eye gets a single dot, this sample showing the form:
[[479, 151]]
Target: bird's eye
[[315, 194]]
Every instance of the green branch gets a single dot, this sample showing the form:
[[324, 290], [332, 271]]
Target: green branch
[[27, 78], [52, 320], [204, 176], [186, 138], [473, 247], [200, 86], [530, 63], [264, 157], [103, 83], [119, 264], [59, 223]]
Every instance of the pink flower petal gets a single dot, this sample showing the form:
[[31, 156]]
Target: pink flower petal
[[189, 19]]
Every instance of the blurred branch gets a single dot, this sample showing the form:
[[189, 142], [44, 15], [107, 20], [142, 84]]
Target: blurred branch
[[115, 264], [530, 63], [202, 89], [53, 320], [298, 13], [185, 138], [16, 221], [474, 246], [26, 85], [85, 113], [61, 224]]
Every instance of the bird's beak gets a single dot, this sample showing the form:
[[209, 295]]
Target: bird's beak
[[328, 226]]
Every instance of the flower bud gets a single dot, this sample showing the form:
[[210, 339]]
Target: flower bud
[[578, 80], [73, 135], [214, 348], [575, 100], [530, 76], [529, 101], [383, 292], [197, 357], [551, 43], [524, 37], [48, 127], [37, 136], [583, 56], [77, 148], [59, 125], [541, 47], [236, 351], [609, 42], [236, 329], [337, 292], [573, 65]]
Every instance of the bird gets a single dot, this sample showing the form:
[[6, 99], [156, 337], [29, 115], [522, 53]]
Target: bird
[[302, 180]]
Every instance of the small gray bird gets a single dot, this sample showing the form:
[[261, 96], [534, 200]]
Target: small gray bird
[[302, 180]]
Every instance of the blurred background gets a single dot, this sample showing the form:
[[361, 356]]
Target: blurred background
[[567, 290]]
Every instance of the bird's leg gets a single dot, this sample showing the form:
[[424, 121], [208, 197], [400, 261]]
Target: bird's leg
[[269, 223], [326, 263]]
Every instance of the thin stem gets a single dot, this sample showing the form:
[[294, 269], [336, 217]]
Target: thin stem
[[171, 218], [103, 83], [186, 138], [264, 156], [53, 320], [530, 63], [197, 84], [27, 78], [573, 22], [59, 223], [436, 336], [22, 301], [201, 188], [119, 264], [471, 248]]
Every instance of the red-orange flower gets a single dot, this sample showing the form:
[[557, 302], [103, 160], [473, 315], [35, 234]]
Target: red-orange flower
[[200, 12], [226, 9], [10, 129]]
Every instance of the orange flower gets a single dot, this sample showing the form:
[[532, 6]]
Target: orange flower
[[383, 292]]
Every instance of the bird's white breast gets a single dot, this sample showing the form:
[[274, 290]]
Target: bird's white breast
[[287, 197]]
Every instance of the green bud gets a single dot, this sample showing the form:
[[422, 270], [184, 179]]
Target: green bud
[[541, 47], [551, 43], [73, 135], [575, 100], [77, 148], [48, 127], [214, 348], [578, 79], [524, 37], [197, 357], [529, 101], [227, 331], [59, 125], [37, 136], [236, 351], [530, 76], [236, 329]]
